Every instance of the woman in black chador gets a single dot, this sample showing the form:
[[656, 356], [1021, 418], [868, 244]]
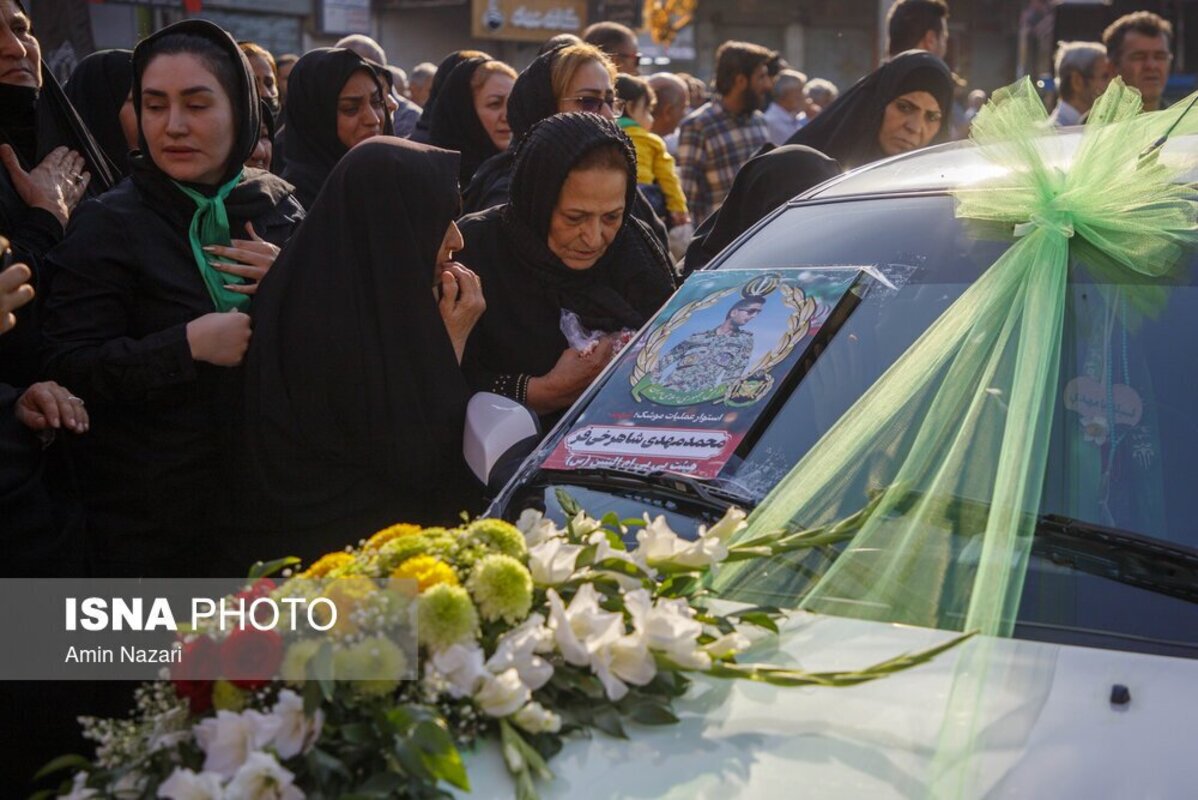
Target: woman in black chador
[[335, 99], [145, 315], [353, 379], [99, 89], [567, 241], [896, 108], [424, 125]]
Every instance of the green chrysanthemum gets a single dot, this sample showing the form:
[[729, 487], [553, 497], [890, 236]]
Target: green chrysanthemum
[[397, 551], [498, 535], [502, 588], [227, 697], [295, 661], [446, 616], [374, 666]]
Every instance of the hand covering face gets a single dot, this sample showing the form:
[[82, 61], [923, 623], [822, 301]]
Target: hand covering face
[[847, 130]]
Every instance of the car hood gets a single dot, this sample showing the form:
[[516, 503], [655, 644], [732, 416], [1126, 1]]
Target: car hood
[[1042, 715]]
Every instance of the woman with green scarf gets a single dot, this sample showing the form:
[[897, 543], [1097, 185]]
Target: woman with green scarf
[[148, 300]]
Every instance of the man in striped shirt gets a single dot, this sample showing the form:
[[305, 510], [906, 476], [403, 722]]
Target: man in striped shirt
[[715, 140]]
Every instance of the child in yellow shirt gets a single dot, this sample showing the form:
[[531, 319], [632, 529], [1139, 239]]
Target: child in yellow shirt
[[654, 165]]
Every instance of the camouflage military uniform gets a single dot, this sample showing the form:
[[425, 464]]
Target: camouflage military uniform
[[704, 361]]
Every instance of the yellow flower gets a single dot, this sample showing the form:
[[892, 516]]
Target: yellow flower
[[427, 571], [227, 697], [387, 534], [326, 564], [349, 593]]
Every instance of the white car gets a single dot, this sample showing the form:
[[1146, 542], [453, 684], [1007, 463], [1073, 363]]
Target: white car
[[1093, 695]]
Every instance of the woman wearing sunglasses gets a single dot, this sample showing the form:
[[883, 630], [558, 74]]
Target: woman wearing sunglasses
[[570, 77]]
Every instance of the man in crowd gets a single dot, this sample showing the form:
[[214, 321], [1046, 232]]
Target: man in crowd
[[716, 140], [1139, 47], [821, 93], [420, 82], [672, 105], [917, 25], [788, 111], [619, 42], [1082, 74]]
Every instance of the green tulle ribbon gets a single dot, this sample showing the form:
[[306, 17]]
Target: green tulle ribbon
[[944, 456], [210, 226]]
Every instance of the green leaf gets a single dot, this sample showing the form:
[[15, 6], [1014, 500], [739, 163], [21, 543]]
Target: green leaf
[[380, 785], [611, 520], [569, 505], [652, 714], [682, 585], [586, 556], [607, 719], [320, 666], [357, 732], [441, 756], [313, 697], [70, 761], [623, 567], [264, 569], [633, 522], [758, 618], [324, 766]]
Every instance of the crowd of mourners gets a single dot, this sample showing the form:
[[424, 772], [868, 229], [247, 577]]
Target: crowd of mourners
[[249, 298]]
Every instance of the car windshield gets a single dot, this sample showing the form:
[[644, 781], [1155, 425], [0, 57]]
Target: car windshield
[[1124, 449]]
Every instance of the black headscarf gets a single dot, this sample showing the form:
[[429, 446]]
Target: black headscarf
[[310, 115], [626, 285], [532, 98], [97, 89], [258, 191], [847, 130], [35, 121], [424, 124], [766, 181], [351, 379], [455, 124]]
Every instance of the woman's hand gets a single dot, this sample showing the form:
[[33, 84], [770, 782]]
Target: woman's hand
[[56, 185], [48, 406], [461, 304], [15, 292], [569, 378], [219, 338], [255, 256]]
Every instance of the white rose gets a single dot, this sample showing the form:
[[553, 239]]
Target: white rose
[[536, 528], [261, 777], [517, 649], [502, 694], [582, 621], [228, 739], [732, 523], [183, 784], [535, 718], [660, 546], [584, 525], [296, 732], [462, 667], [552, 561], [670, 628], [727, 645]]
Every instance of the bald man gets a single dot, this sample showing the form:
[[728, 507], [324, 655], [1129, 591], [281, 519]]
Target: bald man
[[672, 104]]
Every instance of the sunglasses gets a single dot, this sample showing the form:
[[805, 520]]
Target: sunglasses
[[593, 105]]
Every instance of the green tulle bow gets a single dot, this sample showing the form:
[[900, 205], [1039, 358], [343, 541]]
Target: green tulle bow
[[210, 226], [961, 421]]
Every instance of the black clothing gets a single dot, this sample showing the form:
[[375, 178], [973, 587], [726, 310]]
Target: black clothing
[[35, 122], [310, 116], [455, 123], [527, 287], [155, 465], [97, 89], [357, 400], [766, 181], [424, 124], [847, 130]]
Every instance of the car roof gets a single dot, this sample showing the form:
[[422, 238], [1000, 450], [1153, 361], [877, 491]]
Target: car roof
[[957, 164]]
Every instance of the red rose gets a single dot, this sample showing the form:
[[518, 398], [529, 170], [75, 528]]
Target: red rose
[[195, 673], [250, 657], [261, 588]]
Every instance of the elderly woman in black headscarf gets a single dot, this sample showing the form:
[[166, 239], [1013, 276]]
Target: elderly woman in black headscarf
[[335, 99], [471, 113], [425, 123], [565, 253], [896, 108], [145, 316], [100, 90], [353, 377], [51, 162]]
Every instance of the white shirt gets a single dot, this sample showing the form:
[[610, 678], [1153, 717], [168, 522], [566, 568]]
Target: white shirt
[[782, 123], [1065, 115]]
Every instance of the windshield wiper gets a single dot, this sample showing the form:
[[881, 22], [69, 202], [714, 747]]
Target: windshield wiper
[[1152, 564], [686, 487]]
